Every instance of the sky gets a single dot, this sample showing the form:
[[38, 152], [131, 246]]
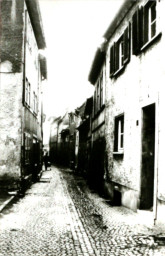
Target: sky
[[73, 31]]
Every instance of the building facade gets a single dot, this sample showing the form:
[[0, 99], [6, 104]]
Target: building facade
[[134, 107], [84, 135], [97, 77], [22, 72]]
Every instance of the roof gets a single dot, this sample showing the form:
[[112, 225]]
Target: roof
[[36, 20], [96, 66], [80, 110], [126, 6], [100, 52]]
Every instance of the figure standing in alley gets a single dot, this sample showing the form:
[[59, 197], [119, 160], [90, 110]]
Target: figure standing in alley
[[46, 160]]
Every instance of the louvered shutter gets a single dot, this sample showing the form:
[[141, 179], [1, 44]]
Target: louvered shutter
[[116, 56], [112, 60], [137, 31], [145, 23], [127, 45]]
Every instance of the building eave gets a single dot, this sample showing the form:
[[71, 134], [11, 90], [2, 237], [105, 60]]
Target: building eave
[[96, 66], [36, 20], [126, 6]]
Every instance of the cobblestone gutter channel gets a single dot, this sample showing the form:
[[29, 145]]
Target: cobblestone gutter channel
[[115, 237]]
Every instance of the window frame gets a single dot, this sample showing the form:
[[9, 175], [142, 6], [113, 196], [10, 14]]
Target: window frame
[[143, 25], [119, 134], [120, 52], [27, 146], [98, 94], [148, 23], [35, 103], [27, 93]]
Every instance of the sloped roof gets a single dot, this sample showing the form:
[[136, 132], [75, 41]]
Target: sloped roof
[[36, 20], [96, 66], [118, 18]]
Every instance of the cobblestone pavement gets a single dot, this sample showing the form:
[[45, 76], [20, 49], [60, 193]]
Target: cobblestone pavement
[[59, 216]]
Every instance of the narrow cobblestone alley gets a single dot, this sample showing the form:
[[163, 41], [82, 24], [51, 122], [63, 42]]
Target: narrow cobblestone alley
[[60, 216]]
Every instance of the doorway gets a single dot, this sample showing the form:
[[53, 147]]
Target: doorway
[[148, 157]]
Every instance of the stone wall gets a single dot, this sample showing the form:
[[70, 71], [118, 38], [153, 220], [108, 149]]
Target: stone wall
[[10, 128]]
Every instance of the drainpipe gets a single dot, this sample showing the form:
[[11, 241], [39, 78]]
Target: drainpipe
[[23, 93], [156, 162]]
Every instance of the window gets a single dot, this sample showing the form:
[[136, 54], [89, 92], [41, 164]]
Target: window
[[34, 103], [119, 134], [137, 22], [27, 140], [27, 92], [98, 94], [94, 105], [144, 27], [149, 21], [120, 53], [101, 90]]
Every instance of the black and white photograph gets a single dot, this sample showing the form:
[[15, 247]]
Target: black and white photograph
[[82, 128]]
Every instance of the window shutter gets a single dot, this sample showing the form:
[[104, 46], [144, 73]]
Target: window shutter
[[95, 103], [127, 45], [134, 33], [137, 31], [112, 60], [116, 135], [116, 57], [141, 26], [145, 23]]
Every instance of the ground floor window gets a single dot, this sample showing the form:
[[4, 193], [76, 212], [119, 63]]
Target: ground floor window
[[119, 134], [27, 141]]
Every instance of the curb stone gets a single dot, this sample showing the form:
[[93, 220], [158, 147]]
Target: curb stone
[[6, 203]]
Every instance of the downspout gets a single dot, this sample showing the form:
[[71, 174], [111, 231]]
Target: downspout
[[156, 162], [23, 92]]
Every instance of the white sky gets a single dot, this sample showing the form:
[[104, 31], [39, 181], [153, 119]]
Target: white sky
[[73, 30]]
